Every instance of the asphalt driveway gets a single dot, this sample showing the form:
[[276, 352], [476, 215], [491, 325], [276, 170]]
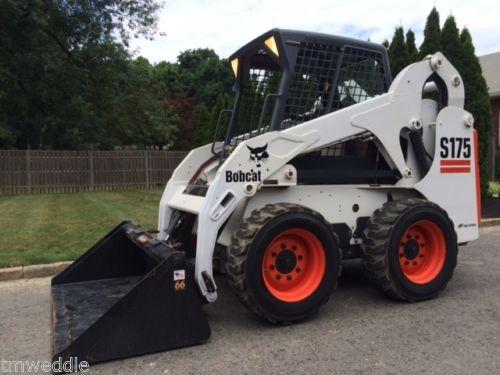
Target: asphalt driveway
[[358, 331]]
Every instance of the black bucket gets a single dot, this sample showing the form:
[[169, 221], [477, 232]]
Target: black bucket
[[130, 294]]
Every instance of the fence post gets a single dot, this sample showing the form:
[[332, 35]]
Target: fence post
[[146, 164], [91, 170], [28, 170]]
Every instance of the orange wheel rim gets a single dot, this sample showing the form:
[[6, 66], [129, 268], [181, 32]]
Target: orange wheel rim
[[422, 252], [293, 266]]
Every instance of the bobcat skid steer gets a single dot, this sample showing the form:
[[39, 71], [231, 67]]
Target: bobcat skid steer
[[323, 159]]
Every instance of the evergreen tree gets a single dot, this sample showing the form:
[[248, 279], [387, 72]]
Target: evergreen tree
[[398, 53], [207, 121], [432, 31], [203, 126], [385, 43], [411, 47], [224, 101], [477, 101], [450, 42]]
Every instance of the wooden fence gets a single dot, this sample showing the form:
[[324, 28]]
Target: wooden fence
[[44, 171]]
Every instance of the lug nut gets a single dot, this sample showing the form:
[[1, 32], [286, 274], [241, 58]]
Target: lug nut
[[414, 263], [289, 277], [283, 246], [272, 267], [297, 269], [273, 254], [300, 257], [278, 277]]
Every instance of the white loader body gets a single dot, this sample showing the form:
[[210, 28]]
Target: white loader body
[[245, 181]]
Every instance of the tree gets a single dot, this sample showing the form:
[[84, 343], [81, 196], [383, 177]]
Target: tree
[[207, 121], [432, 32], [450, 42], [385, 43], [411, 47], [184, 107], [146, 118], [398, 52], [64, 68], [477, 101], [203, 126], [195, 85], [204, 75]]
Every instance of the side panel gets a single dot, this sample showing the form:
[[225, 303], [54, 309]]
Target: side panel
[[337, 203], [451, 181]]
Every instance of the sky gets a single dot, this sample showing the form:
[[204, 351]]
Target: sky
[[225, 25]]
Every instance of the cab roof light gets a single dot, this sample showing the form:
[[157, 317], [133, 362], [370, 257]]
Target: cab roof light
[[234, 65], [272, 45]]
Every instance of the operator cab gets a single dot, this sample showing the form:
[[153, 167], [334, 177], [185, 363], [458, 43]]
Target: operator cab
[[287, 77]]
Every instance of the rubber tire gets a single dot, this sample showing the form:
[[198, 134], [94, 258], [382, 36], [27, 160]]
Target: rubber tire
[[245, 254], [380, 246]]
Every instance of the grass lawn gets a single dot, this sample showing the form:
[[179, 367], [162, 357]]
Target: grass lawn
[[37, 229]]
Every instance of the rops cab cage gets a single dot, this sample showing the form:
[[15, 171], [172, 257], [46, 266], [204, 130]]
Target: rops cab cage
[[287, 77]]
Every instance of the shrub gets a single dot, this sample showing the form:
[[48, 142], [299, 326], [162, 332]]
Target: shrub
[[494, 188]]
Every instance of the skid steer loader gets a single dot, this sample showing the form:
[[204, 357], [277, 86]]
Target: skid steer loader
[[323, 159]]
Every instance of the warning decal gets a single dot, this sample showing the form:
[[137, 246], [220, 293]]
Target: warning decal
[[179, 275]]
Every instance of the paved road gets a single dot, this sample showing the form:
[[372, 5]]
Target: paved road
[[358, 331]]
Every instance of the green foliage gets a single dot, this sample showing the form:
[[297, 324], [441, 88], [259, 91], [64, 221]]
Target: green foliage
[[204, 75], [146, 119], [411, 47], [204, 127], [459, 49], [450, 41], [432, 32], [195, 87], [398, 52], [207, 121], [493, 188], [477, 100], [67, 79]]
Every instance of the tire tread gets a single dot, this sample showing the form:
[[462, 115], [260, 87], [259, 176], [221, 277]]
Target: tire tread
[[240, 245], [376, 240]]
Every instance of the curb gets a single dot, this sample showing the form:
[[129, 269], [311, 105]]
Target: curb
[[43, 270], [489, 222], [30, 272]]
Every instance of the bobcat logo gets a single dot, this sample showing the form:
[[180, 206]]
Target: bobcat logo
[[258, 153]]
